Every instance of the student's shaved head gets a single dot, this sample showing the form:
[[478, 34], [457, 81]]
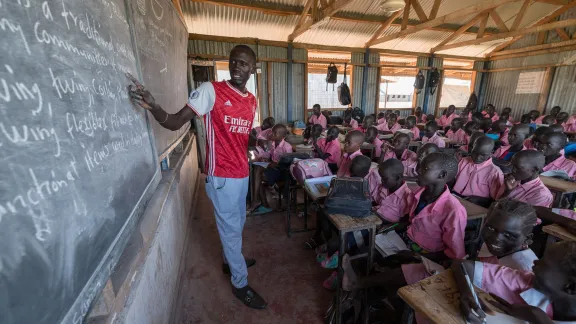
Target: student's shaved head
[[392, 165], [355, 136], [535, 158], [556, 128], [484, 141], [360, 166]]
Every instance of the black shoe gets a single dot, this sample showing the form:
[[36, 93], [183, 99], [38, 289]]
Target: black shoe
[[249, 297], [226, 267]]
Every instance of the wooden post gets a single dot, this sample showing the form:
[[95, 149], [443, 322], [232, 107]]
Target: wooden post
[[473, 82], [378, 92], [546, 85], [260, 96], [439, 93], [305, 93], [270, 83]]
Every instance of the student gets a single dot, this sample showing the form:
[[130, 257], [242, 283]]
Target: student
[[411, 166], [390, 126], [468, 147], [398, 150], [523, 183], [456, 133], [551, 145], [466, 115], [367, 123], [381, 118], [525, 119], [315, 133], [506, 118], [392, 196], [350, 122], [478, 118], [534, 115], [372, 138], [546, 293], [532, 142], [499, 128], [264, 132], [548, 120], [352, 143], [431, 135], [478, 179], [553, 112], [470, 128], [317, 117], [449, 115], [328, 149], [420, 117], [556, 128], [276, 148], [411, 126], [486, 125], [490, 112], [516, 138], [430, 117], [562, 119], [508, 111]]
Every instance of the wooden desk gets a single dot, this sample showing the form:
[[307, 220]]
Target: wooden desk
[[559, 232], [559, 188], [437, 298], [345, 224]]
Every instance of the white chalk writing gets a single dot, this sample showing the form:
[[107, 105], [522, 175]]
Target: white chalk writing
[[14, 28]]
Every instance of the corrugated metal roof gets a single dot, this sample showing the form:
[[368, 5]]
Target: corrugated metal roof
[[341, 33], [328, 55]]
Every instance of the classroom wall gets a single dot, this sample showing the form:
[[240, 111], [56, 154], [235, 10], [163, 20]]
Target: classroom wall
[[563, 91]]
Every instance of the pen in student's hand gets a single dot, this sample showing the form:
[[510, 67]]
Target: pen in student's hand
[[471, 287], [388, 228]]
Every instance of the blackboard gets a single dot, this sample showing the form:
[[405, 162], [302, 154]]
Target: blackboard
[[162, 41], [78, 159]]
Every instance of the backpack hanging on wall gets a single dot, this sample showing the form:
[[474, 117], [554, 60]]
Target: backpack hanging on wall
[[331, 75], [434, 80], [344, 91], [419, 82]]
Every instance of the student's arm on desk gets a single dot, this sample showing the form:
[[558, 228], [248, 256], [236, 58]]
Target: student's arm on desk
[[524, 312], [467, 301], [547, 216], [321, 154]]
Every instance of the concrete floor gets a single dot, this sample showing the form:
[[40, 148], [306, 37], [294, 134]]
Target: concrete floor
[[285, 274]]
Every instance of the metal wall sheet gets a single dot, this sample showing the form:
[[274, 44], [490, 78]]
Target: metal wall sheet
[[501, 92], [373, 88], [479, 83], [263, 95], [299, 54], [437, 62], [563, 91], [421, 61], [357, 58], [280, 92], [298, 89], [357, 72]]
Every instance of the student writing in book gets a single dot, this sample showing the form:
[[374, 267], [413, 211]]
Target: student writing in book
[[411, 126], [431, 135], [478, 179], [350, 122], [391, 196], [390, 126], [456, 133], [315, 133], [523, 183], [372, 138], [551, 145], [546, 293], [398, 150], [328, 148]]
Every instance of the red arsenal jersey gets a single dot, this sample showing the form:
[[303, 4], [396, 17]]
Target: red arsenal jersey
[[228, 115]]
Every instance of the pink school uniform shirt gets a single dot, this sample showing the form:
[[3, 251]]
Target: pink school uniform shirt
[[378, 147], [391, 206], [332, 147], [534, 193], [410, 166], [345, 162], [415, 133], [265, 134], [421, 120], [493, 118], [381, 121], [504, 137], [446, 121], [436, 139], [529, 144], [514, 286], [277, 151], [407, 155], [384, 127], [459, 136], [318, 120], [562, 163], [440, 225], [481, 180], [501, 152], [353, 123], [540, 119]]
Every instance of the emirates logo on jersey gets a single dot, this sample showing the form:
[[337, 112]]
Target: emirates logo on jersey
[[238, 125]]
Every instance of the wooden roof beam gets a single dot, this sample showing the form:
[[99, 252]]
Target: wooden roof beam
[[520, 14], [461, 30], [524, 31], [534, 48], [501, 25], [483, 24], [332, 8], [553, 15], [385, 25], [435, 8], [419, 10], [453, 16], [406, 14]]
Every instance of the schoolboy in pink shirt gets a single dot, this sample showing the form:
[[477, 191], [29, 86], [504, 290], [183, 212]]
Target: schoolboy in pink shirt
[[478, 179], [420, 117], [491, 113], [539, 296], [392, 196], [366, 123], [390, 126], [508, 111], [499, 128], [381, 118], [456, 133], [553, 112], [468, 147], [516, 138], [317, 117], [446, 119], [328, 148], [372, 138], [264, 132], [551, 145], [411, 165], [410, 124], [398, 150], [352, 143], [431, 135], [524, 184]]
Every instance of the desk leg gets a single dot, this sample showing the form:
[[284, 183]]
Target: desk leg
[[287, 194], [305, 210], [340, 275], [369, 261]]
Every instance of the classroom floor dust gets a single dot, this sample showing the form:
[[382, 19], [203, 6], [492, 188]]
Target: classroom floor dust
[[285, 274]]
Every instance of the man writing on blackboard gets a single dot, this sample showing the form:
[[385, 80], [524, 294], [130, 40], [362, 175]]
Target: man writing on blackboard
[[228, 111]]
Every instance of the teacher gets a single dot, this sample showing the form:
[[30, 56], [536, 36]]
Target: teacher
[[228, 111]]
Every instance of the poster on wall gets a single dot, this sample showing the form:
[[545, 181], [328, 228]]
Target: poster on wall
[[530, 82]]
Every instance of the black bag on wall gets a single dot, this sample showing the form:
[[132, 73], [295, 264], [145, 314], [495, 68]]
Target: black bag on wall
[[434, 80], [344, 92], [331, 75], [419, 82]]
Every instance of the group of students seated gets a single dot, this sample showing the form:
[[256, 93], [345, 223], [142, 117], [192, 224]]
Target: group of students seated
[[497, 165]]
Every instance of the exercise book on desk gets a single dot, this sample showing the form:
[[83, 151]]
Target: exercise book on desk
[[318, 187]]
